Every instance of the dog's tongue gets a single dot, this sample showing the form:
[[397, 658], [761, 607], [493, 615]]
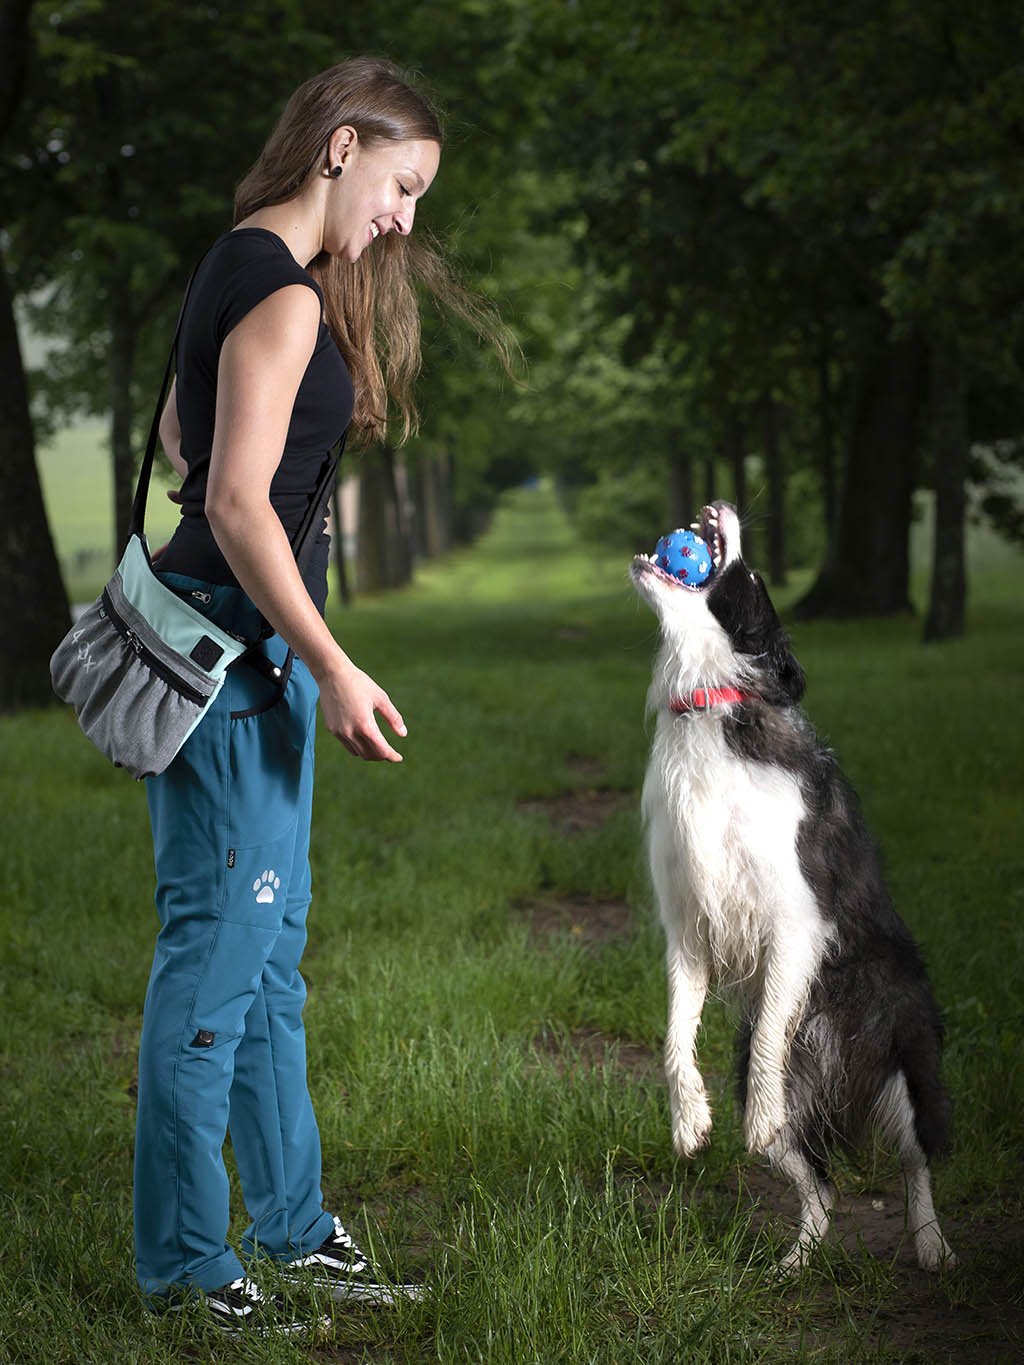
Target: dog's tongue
[[683, 554]]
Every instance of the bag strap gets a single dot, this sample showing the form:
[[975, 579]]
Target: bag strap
[[309, 528], [146, 468], [304, 539]]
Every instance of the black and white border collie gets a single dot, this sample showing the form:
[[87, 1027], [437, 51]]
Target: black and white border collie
[[768, 883]]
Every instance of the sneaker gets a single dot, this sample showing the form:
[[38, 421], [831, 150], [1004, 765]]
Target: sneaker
[[241, 1306], [340, 1266]]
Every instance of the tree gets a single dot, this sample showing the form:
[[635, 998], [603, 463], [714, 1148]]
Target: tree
[[30, 582], [895, 130], [809, 202], [127, 151]]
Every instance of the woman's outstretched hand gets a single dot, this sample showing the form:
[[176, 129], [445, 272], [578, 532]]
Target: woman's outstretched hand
[[349, 699]]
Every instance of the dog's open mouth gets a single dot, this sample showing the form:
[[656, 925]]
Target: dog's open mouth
[[710, 531]]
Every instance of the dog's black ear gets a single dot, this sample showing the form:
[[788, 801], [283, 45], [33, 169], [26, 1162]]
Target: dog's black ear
[[789, 682], [791, 678]]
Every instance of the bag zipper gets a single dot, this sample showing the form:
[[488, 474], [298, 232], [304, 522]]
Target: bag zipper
[[157, 664]]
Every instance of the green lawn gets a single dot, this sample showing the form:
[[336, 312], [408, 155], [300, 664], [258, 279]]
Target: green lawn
[[487, 1002]]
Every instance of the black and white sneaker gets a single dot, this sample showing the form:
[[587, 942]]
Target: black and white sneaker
[[340, 1266], [241, 1306]]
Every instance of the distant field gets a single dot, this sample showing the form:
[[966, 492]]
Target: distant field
[[78, 489]]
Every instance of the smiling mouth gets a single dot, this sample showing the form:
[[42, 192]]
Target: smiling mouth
[[709, 530]]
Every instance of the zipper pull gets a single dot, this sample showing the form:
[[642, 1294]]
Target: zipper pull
[[202, 596]]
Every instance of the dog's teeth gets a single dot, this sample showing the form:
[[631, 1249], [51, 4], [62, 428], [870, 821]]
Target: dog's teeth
[[694, 525]]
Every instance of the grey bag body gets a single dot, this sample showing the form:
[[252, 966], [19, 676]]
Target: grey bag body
[[140, 666]]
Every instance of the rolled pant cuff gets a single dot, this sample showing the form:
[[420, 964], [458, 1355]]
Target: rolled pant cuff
[[212, 1274], [308, 1241]]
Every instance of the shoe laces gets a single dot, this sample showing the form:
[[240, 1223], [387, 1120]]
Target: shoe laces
[[340, 1235], [248, 1289]]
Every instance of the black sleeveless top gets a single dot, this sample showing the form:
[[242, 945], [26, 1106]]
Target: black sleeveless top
[[241, 269]]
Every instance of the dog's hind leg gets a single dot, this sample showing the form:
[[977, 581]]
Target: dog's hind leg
[[894, 1118], [816, 1199], [687, 987]]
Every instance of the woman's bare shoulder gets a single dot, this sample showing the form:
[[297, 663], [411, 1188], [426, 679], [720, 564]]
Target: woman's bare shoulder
[[287, 318]]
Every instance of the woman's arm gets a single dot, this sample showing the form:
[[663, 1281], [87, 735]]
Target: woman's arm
[[261, 366], [170, 433]]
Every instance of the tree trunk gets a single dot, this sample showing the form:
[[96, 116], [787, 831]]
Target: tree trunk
[[775, 472], [711, 490], [402, 545], [682, 500], [340, 567], [385, 544], [35, 601], [736, 454], [122, 366], [867, 569], [435, 505], [417, 476], [373, 523], [14, 46], [735, 442], [828, 440], [951, 451]]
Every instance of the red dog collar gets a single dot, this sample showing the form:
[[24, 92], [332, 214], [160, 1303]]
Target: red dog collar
[[703, 698]]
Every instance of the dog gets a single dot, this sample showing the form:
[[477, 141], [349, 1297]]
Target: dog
[[768, 883]]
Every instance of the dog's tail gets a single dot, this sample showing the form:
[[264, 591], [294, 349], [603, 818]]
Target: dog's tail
[[920, 1061]]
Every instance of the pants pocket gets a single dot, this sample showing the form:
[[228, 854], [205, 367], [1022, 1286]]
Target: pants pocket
[[256, 895]]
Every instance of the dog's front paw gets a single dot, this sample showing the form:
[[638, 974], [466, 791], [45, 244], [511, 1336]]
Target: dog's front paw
[[691, 1124], [933, 1251], [794, 1261], [762, 1124]]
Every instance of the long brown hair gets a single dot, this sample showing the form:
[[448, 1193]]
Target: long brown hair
[[370, 305]]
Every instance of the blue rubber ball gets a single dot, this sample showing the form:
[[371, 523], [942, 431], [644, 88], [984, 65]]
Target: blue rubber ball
[[685, 556]]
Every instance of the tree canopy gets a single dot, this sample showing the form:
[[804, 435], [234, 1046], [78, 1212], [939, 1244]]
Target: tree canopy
[[770, 250]]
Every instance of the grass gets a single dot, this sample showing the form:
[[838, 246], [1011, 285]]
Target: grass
[[463, 1130]]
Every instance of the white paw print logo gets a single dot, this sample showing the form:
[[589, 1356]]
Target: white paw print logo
[[265, 886]]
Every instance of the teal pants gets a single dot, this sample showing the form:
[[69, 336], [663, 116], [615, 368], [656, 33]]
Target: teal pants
[[223, 1046]]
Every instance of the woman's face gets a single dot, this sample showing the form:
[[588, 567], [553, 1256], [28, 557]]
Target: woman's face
[[377, 191]]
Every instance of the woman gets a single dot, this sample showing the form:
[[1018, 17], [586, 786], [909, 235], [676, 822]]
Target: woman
[[278, 354]]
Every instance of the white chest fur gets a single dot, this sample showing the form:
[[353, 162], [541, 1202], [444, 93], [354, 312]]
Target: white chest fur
[[723, 832]]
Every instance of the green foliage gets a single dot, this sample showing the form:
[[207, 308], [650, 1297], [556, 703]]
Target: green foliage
[[790, 188], [136, 126], [623, 511]]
